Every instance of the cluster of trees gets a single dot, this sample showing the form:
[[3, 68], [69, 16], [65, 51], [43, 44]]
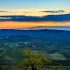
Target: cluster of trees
[[33, 60]]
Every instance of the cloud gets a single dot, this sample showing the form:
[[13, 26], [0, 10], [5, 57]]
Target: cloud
[[59, 11], [52, 18], [5, 18], [3, 11]]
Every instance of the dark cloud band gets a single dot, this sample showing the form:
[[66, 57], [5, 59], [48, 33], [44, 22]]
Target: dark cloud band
[[55, 18]]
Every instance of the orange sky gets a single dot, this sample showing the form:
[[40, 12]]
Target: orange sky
[[16, 25]]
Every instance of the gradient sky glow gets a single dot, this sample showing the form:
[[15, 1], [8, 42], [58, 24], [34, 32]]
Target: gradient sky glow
[[32, 8], [35, 4], [22, 25]]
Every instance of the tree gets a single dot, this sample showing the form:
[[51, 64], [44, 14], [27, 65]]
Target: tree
[[33, 60]]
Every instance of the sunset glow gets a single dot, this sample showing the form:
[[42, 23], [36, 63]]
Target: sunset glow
[[16, 14], [30, 12], [14, 25]]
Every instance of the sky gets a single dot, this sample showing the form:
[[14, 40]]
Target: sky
[[35, 4], [25, 25], [38, 8]]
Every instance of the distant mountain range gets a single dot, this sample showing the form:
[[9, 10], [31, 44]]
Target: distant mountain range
[[46, 34]]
